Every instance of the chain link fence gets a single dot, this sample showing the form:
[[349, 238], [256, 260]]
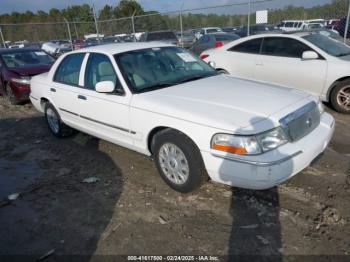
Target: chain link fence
[[332, 14]]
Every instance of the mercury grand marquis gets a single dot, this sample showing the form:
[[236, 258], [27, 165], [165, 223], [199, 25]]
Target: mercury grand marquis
[[161, 101]]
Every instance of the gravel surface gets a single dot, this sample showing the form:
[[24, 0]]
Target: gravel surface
[[128, 209]]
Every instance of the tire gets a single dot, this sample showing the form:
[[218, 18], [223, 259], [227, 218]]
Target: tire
[[54, 122], [183, 155], [340, 97], [11, 96]]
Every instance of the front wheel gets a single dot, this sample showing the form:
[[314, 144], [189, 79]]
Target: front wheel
[[53, 119], [340, 97], [178, 161]]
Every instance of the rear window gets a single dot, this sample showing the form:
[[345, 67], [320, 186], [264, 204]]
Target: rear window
[[226, 37], [161, 36], [69, 69], [27, 59], [251, 46]]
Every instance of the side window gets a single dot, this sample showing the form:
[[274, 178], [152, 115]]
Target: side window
[[69, 69], [286, 47], [99, 68], [251, 46]]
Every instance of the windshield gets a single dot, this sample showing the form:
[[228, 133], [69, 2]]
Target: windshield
[[154, 68], [27, 59], [329, 45]]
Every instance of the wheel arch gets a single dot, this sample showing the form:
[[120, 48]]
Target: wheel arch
[[156, 130], [43, 102], [330, 89]]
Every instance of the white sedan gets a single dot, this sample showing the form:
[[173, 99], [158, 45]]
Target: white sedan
[[309, 61], [163, 102]]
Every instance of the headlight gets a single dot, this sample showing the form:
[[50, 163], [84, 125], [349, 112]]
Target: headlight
[[249, 145], [272, 139], [241, 145], [25, 81]]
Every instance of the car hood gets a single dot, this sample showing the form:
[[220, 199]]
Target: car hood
[[224, 102], [31, 71]]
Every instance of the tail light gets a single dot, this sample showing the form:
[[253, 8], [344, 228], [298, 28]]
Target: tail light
[[218, 44], [203, 56]]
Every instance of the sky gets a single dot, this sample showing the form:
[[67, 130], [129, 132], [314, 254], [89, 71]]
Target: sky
[[8, 6]]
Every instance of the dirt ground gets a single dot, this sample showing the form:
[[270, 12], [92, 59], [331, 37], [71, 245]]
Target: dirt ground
[[131, 211]]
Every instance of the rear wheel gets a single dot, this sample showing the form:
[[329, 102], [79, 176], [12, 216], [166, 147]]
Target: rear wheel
[[53, 119], [178, 161], [340, 97], [11, 96], [222, 71]]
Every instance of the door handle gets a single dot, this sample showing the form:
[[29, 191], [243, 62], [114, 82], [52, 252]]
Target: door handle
[[52, 89], [82, 97]]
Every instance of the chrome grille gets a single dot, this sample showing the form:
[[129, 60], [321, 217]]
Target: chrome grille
[[301, 122]]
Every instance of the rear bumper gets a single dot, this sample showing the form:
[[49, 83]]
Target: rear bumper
[[271, 168], [21, 91]]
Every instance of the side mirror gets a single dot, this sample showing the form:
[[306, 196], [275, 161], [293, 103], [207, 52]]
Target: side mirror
[[309, 55], [105, 87], [212, 64]]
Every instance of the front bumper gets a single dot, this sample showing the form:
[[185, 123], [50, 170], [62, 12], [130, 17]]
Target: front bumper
[[271, 168]]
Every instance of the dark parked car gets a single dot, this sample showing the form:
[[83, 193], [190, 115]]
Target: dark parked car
[[17, 66], [229, 29], [340, 27], [214, 40], [163, 36], [187, 39], [253, 30]]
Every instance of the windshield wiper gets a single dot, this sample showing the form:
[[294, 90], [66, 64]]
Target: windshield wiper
[[165, 84]]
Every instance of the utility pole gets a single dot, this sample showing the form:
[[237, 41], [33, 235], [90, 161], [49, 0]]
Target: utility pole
[[70, 36], [96, 25], [248, 26], [181, 26], [75, 28], [2, 38], [133, 25], [347, 24]]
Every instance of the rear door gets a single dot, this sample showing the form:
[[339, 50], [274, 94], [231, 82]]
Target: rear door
[[65, 88], [240, 59], [281, 63]]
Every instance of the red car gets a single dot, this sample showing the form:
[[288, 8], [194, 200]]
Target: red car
[[17, 66]]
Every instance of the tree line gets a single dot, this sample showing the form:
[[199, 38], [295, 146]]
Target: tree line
[[41, 26]]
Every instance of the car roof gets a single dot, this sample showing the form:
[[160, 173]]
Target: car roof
[[18, 50], [116, 48]]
